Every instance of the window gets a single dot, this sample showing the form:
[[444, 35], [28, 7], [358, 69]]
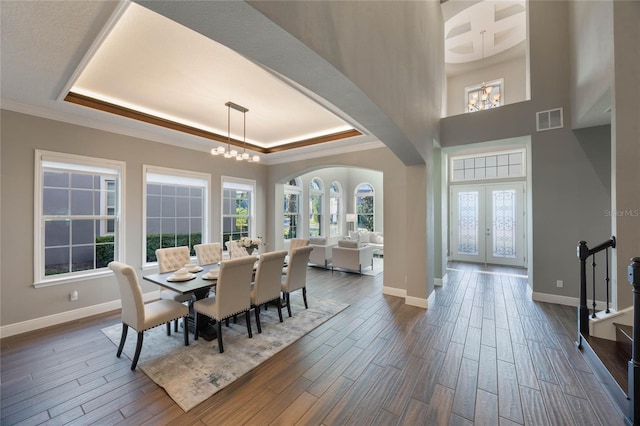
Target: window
[[484, 96], [237, 209], [77, 216], [335, 207], [316, 196], [497, 165], [364, 206], [175, 209], [292, 192]]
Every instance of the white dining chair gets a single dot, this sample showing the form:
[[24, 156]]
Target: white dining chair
[[296, 276], [141, 316], [266, 286], [232, 295], [171, 259], [208, 253]]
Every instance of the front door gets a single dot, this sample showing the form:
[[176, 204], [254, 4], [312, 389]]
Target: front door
[[488, 224]]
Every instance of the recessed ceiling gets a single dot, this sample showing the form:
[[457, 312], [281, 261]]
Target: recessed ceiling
[[153, 69]]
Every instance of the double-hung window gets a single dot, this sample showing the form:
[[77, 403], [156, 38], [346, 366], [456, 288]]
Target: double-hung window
[[237, 208], [175, 209], [78, 206], [335, 207]]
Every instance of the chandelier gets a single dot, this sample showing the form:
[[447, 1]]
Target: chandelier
[[233, 153], [482, 98]]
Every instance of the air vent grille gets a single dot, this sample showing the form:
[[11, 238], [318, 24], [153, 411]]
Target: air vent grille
[[550, 119]]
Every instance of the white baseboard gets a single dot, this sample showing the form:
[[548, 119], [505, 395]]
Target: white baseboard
[[564, 300], [439, 282], [76, 314], [392, 291], [416, 301]]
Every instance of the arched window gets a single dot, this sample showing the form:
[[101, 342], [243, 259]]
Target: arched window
[[292, 192], [316, 199], [365, 206], [335, 207]]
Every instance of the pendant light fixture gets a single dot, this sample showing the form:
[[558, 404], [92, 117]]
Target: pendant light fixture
[[482, 98], [232, 153]]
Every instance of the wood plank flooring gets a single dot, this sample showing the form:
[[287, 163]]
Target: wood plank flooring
[[482, 354]]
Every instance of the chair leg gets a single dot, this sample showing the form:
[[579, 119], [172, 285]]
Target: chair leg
[[257, 311], [220, 346], [195, 326], [279, 305], [169, 328], [123, 337], [247, 315], [186, 332], [288, 297], [138, 349], [304, 297]]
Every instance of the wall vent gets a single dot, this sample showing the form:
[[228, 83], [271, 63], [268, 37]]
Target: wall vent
[[550, 119]]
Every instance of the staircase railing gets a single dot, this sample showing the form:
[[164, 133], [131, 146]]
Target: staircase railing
[[584, 253], [634, 363]]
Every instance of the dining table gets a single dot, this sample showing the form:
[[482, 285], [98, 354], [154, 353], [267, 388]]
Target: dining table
[[197, 284]]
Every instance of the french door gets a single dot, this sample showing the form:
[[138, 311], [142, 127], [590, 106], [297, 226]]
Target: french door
[[488, 224]]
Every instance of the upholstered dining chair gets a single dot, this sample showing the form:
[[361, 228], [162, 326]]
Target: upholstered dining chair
[[171, 259], [232, 295], [294, 243], [266, 287], [141, 316], [208, 253], [296, 276], [235, 249]]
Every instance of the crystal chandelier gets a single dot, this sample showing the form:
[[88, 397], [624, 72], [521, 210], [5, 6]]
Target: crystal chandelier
[[482, 98], [233, 153]]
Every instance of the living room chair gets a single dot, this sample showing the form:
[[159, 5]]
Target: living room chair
[[171, 259], [232, 295], [296, 276], [141, 316], [208, 253], [352, 256], [235, 249], [266, 287]]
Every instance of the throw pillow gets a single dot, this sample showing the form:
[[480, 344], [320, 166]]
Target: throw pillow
[[318, 241], [348, 243]]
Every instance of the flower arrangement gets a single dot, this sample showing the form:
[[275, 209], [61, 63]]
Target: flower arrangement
[[250, 244]]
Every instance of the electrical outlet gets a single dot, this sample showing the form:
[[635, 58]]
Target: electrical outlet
[[73, 295], [559, 283]]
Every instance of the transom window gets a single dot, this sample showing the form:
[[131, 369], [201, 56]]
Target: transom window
[[364, 198], [507, 164], [316, 199], [77, 216], [292, 192], [175, 207], [237, 209], [335, 207]]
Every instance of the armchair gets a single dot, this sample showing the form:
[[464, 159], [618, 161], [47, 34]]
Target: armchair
[[351, 255], [321, 254]]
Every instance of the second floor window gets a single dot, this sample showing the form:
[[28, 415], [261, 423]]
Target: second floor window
[[175, 209]]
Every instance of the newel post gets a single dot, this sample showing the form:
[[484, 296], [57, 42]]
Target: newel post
[[583, 311], [634, 363]]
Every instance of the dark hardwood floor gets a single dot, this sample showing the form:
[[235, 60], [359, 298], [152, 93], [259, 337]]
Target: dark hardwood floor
[[482, 354]]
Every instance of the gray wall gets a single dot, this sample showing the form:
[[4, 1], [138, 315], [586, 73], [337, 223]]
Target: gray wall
[[21, 135], [569, 193]]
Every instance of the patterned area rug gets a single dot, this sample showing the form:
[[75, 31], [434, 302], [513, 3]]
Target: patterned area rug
[[193, 373]]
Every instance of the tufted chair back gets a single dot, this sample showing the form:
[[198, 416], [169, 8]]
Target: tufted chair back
[[208, 253], [172, 258], [235, 249]]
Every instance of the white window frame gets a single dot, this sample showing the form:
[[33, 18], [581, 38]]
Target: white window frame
[[173, 176], [317, 193], [228, 182], [355, 204], [339, 196], [72, 162], [483, 155], [297, 190]]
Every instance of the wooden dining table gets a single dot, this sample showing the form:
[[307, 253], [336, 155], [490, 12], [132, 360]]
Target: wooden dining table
[[198, 287]]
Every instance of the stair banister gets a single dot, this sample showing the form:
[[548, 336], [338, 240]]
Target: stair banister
[[634, 363]]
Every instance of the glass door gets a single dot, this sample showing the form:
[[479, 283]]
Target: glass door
[[488, 224]]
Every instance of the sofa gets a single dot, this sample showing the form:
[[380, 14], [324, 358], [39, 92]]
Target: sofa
[[352, 255], [375, 239], [322, 251]]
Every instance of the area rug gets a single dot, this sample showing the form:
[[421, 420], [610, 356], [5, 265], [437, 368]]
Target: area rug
[[191, 374]]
